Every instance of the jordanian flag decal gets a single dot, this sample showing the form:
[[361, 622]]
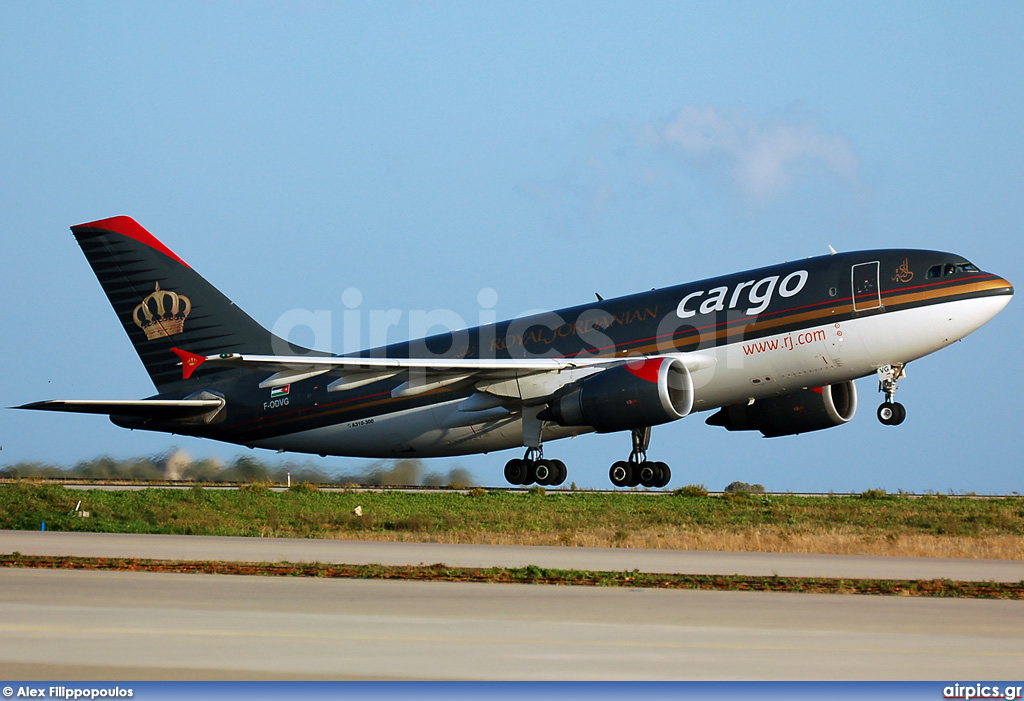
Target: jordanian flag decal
[[280, 391]]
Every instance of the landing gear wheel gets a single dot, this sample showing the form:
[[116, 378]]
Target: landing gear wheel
[[886, 413], [515, 471], [666, 475], [892, 413], [560, 473], [634, 477], [621, 473], [544, 471], [901, 414], [654, 474], [649, 473]]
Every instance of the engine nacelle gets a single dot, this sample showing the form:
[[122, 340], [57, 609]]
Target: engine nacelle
[[798, 412], [633, 395]]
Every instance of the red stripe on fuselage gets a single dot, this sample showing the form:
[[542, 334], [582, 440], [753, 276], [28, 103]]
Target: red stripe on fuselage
[[730, 326]]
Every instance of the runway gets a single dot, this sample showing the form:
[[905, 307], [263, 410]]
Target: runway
[[66, 625], [116, 625], [167, 547]]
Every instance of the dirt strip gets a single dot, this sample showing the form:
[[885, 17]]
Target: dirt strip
[[537, 575]]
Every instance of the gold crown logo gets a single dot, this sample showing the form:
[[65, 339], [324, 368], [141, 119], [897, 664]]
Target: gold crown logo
[[162, 313]]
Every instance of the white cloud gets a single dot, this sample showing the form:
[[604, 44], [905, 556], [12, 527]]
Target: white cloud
[[764, 159]]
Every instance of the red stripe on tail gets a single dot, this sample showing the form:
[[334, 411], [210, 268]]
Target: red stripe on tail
[[126, 226]]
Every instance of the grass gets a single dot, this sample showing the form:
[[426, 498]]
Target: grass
[[873, 523]]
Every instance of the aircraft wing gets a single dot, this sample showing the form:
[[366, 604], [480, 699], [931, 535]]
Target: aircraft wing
[[429, 373], [155, 408], [496, 376]]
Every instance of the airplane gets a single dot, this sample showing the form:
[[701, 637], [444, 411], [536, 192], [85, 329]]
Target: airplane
[[776, 349]]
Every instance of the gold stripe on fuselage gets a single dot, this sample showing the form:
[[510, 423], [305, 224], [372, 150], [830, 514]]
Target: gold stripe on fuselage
[[734, 330]]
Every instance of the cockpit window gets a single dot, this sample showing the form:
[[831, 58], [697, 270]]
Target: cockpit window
[[951, 269]]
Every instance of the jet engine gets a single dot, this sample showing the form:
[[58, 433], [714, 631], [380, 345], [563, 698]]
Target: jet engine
[[632, 395], [790, 414]]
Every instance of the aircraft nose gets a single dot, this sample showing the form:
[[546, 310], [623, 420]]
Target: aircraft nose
[[1003, 286], [1003, 294]]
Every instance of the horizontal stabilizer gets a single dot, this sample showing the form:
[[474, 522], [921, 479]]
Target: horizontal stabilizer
[[155, 408]]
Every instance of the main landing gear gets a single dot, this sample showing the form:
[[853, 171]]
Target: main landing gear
[[891, 413], [533, 467], [638, 470]]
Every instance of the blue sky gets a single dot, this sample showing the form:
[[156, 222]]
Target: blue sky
[[419, 153]]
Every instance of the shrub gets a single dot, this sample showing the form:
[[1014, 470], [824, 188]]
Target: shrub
[[691, 490], [744, 488], [254, 487]]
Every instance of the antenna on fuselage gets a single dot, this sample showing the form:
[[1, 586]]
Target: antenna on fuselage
[[831, 251]]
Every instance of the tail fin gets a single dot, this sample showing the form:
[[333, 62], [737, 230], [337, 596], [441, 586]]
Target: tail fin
[[162, 303]]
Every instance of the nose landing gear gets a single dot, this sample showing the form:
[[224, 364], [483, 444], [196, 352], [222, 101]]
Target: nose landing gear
[[891, 413]]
